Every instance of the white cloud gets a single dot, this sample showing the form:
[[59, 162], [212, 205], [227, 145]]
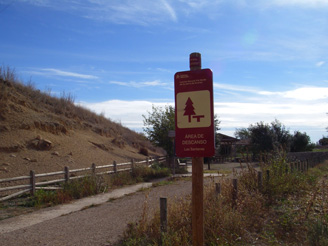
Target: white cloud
[[301, 94], [295, 115], [320, 63], [169, 9], [310, 118], [306, 93], [129, 113], [142, 12], [280, 3], [234, 87], [139, 84], [303, 3], [61, 73]]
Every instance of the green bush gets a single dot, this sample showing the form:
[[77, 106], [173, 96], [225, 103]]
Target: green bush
[[83, 187], [44, 198]]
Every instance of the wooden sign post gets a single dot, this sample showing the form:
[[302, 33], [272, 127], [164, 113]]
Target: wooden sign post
[[194, 127]]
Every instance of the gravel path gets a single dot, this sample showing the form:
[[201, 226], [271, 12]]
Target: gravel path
[[98, 225]]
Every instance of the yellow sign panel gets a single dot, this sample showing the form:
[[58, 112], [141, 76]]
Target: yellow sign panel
[[193, 109]]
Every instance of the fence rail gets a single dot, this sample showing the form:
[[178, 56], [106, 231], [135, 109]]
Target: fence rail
[[68, 175]]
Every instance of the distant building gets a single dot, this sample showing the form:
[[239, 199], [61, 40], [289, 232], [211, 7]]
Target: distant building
[[228, 145]]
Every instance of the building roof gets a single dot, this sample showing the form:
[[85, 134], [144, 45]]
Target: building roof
[[225, 139]]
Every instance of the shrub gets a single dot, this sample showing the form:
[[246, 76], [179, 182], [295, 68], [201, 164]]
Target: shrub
[[45, 198]]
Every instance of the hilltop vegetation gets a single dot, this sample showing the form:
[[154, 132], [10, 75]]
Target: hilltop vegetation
[[42, 132]]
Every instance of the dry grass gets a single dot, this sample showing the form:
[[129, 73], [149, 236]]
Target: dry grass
[[277, 214], [79, 136], [66, 112]]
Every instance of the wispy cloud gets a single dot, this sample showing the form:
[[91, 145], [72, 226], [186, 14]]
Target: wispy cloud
[[235, 88], [139, 84], [169, 10], [281, 3], [132, 12], [305, 93], [302, 3], [61, 73], [320, 63], [142, 12]]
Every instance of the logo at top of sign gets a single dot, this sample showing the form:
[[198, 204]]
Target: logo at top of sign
[[193, 109]]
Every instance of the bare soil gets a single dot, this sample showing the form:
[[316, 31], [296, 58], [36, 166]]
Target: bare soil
[[44, 133]]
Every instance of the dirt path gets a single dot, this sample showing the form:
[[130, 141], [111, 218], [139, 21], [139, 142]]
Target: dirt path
[[97, 225]]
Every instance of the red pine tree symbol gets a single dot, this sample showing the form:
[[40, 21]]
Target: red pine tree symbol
[[189, 109]]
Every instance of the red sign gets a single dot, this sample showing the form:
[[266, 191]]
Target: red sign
[[194, 114]]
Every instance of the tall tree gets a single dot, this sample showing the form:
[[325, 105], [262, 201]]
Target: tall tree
[[157, 125], [323, 141], [281, 136], [262, 138], [268, 137], [301, 142]]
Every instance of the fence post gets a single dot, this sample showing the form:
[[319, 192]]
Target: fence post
[[132, 164], [163, 214], [209, 163], [259, 180], [32, 182], [66, 169], [234, 192], [93, 169], [268, 175], [218, 188], [115, 166]]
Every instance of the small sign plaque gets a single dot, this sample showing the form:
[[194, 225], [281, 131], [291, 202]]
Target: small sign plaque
[[194, 116]]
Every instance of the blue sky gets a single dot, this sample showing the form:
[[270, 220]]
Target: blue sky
[[118, 57]]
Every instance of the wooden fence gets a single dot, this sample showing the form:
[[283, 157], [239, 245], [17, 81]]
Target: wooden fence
[[64, 176]]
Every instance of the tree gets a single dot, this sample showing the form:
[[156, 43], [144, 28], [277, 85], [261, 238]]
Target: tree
[[281, 136], [301, 142], [323, 141], [265, 137], [242, 133], [262, 138], [157, 124]]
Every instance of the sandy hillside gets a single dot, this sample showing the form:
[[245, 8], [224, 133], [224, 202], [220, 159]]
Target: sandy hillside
[[43, 133]]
